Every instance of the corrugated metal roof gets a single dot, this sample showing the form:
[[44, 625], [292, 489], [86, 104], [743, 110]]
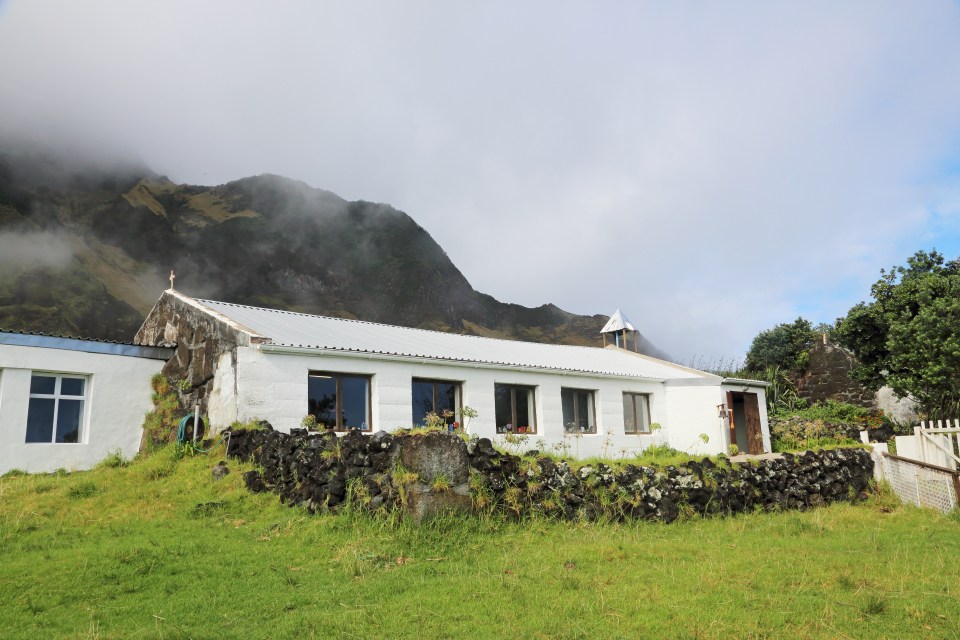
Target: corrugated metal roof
[[88, 345], [290, 329]]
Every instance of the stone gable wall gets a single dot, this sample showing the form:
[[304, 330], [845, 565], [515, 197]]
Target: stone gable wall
[[200, 340]]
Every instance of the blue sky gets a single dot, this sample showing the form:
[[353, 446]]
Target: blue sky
[[710, 168]]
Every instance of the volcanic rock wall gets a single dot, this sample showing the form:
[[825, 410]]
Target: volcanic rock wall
[[430, 473]]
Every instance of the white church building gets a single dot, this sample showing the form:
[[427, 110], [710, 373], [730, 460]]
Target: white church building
[[244, 363]]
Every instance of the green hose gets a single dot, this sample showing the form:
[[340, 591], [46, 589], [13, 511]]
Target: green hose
[[182, 435]]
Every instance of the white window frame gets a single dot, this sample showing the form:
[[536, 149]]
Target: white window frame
[[57, 396]]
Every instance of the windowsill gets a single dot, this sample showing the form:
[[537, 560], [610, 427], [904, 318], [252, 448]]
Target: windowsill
[[53, 444]]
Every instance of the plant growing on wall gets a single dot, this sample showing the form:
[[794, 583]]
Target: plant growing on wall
[[160, 424], [466, 413]]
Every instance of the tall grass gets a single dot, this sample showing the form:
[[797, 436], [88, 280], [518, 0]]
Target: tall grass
[[157, 549]]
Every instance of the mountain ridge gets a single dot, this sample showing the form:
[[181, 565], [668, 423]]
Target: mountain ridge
[[96, 245]]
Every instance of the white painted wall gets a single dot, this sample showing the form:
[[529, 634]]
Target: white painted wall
[[693, 411], [118, 396], [273, 386], [222, 403]]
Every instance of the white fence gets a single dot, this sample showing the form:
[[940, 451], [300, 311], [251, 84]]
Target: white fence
[[939, 443], [921, 484]]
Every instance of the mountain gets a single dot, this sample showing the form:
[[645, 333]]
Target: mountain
[[85, 249]]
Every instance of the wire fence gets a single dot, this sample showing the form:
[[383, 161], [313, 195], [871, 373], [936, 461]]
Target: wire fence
[[922, 484]]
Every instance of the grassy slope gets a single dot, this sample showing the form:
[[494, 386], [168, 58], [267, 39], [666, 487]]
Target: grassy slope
[[126, 553]]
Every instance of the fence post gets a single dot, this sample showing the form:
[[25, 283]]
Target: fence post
[[918, 432]]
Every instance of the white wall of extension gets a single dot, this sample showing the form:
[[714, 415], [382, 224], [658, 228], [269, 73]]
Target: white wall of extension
[[273, 386], [116, 397]]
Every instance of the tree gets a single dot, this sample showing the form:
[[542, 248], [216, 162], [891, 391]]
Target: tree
[[908, 337], [786, 346]]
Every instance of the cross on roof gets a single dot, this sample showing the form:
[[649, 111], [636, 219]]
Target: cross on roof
[[172, 278]]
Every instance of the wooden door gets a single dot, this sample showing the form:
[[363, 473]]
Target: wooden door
[[751, 410]]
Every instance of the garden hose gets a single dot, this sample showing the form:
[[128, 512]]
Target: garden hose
[[182, 435]]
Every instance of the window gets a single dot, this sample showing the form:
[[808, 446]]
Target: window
[[339, 401], [55, 413], [578, 411], [435, 396], [514, 408], [636, 413]]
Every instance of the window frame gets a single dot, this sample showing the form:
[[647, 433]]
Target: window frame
[[57, 396], [532, 389], [458, 399], [633, 395], [591, 410], [338, 376]]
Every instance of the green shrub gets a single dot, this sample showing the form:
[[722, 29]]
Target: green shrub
[[834, 412]]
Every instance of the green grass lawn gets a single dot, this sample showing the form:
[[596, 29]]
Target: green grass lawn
[[128, 553]]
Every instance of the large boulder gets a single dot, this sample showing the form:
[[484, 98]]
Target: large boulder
[[436, 454]]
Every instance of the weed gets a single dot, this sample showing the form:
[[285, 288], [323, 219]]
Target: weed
[[251, 425], [883, 498], [874, 605], [83, 490], [480, 493], [114, 460], [440, 483], [514, 442]]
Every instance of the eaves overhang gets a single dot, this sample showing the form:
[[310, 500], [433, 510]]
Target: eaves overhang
[[319, 351], [85, 346]]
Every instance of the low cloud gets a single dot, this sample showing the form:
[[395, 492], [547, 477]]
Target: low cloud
[[710, 169], [35, 249]]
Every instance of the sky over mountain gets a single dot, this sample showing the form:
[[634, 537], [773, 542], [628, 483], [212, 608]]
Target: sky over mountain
[[711, 169]]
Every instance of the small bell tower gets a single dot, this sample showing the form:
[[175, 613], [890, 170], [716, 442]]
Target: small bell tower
[[618, 330]]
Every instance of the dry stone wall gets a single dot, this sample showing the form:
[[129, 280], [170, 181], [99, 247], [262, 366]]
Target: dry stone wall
[[827, 377], [427, 474]]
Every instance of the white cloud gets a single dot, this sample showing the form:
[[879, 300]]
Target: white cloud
[[712, 170]]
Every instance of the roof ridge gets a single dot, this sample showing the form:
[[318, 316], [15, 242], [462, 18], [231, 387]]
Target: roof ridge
[[384, 324]]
